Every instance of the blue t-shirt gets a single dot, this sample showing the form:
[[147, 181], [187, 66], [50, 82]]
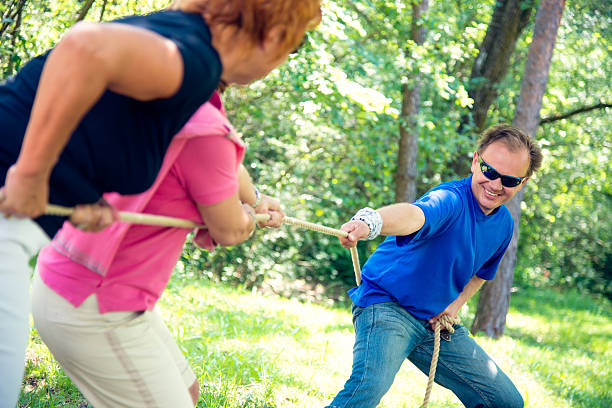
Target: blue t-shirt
[[426, 271], [121, 142]]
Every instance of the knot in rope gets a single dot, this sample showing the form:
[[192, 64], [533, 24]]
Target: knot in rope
[[447, 322]]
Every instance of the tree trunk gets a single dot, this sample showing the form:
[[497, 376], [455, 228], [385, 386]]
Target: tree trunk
[[491, 65], [84, 10], [495, 295], [406, 173]]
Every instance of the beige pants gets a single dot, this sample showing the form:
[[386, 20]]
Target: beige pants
[[120, 359]]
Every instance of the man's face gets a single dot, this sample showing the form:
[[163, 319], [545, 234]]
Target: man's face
[[490, 194]]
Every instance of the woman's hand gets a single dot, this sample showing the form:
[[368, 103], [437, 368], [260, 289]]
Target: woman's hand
[[24, 195], [357, 230], [271, 206], [94, 217]]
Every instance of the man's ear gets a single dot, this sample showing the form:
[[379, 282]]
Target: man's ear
[[474, 162]]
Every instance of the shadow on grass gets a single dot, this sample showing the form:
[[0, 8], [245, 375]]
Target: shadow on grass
[[550, 303]]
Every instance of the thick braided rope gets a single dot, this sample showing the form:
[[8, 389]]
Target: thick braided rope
[[448, 322], [144, 219], [160, 220], [329, 231]]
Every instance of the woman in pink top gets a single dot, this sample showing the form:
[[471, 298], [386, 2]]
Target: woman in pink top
[[94, 294]]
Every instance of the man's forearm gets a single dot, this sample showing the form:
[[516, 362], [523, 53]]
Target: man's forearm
[[470, 289], [397, 219]]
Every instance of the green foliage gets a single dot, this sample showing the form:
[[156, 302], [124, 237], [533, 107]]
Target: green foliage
[[323, 132], [253, 351], [566, 229]]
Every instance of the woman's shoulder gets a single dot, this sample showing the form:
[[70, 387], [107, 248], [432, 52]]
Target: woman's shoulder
[[169, 23]]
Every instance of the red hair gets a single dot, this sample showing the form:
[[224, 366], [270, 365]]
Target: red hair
[[257, 17]]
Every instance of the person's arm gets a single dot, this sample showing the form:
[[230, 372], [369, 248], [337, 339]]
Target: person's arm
[[397, 219], [90, 59], [229, 222], [264, 205], [246, 188], [468, 291]]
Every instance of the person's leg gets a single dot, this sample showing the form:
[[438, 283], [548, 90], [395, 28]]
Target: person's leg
[[181, 363], [384, 336], [465, 369], [19, 241], [194, 392], [116, 359]]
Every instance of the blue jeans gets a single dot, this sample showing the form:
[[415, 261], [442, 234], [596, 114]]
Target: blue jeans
[[386, 334]]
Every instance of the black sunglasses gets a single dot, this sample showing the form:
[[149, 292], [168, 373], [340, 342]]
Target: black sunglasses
[[492, 174]]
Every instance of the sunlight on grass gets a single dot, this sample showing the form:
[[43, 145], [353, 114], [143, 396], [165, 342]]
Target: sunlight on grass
[[254, 351]]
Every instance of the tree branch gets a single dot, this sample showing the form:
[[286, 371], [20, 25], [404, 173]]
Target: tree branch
[[9, 18], [84, 10], [14, 33], [566, 115], [103, 9]]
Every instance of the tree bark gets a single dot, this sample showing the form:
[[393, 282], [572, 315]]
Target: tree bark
[[84, 10], [406, 173], [491, 65], [494, 298], [102, 10]]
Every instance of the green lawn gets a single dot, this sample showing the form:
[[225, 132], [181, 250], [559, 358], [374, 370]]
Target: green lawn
[[259, 351]]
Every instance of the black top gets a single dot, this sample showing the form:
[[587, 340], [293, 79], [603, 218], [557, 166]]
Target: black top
[[120, 143]]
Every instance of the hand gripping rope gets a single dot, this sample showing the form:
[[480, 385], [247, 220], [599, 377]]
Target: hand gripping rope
[[150, 219], [163, 221]]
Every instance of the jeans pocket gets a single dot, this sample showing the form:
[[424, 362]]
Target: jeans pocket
[[356, 310]]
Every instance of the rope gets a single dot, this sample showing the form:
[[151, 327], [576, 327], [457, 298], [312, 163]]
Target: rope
[[159, 220], [163, 221], [144, 219], [448, 322], [329, 231]]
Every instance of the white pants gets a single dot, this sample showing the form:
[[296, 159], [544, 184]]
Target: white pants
[[19, 241]]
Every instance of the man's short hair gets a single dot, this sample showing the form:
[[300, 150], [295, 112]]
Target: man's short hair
[[515, 139]]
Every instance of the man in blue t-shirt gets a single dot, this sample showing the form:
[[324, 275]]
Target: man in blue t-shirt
[[438, 253]]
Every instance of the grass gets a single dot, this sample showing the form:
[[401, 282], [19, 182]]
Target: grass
[[253, 351]]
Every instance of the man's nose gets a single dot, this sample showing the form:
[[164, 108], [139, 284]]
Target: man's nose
[[496, 184]]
